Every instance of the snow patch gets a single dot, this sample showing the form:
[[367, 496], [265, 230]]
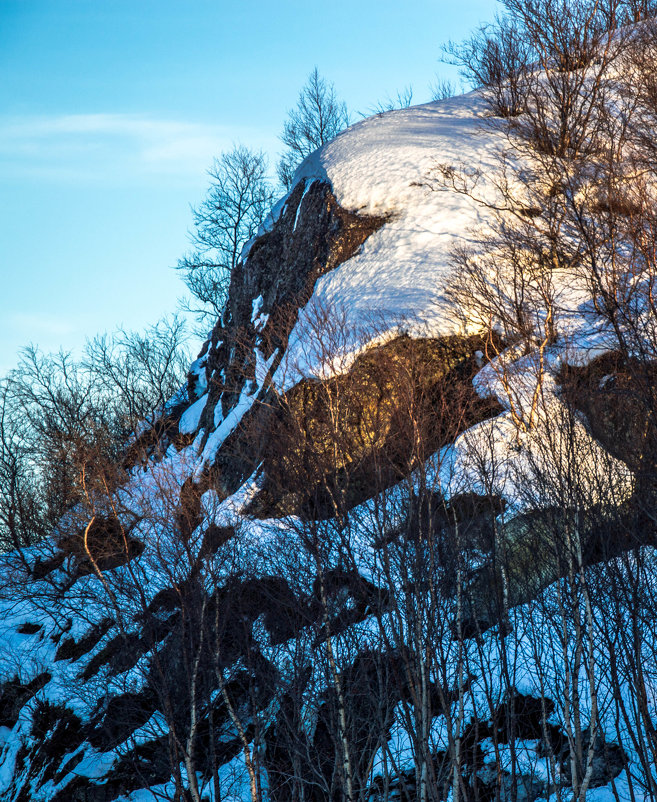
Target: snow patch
[[192, 415]]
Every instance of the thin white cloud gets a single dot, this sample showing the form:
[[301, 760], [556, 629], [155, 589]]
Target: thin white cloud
[[111, 146]]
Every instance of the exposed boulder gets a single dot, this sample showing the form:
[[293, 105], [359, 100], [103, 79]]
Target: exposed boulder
[[337, 442], [104, 543], [535, 549], [70, 649], [619, 398], [14, 694]]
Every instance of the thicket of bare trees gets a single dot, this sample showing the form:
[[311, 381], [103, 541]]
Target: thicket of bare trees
[[571, 217], [425, 644], [63, 417]]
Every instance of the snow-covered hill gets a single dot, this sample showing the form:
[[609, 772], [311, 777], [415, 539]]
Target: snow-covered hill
[[216, 627]]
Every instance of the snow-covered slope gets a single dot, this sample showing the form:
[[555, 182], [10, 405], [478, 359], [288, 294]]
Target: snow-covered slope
[[383, 165], [108, 666]]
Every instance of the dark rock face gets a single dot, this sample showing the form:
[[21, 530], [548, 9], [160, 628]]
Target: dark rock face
[[104, 544], [312, 236], [70, 649], [121, 717], [518, 557], [535, 549]]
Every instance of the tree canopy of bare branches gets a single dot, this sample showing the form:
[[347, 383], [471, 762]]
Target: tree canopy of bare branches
[[318, 117], [238, 199]]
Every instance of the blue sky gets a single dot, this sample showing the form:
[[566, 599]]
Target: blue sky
[[111, 111]]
